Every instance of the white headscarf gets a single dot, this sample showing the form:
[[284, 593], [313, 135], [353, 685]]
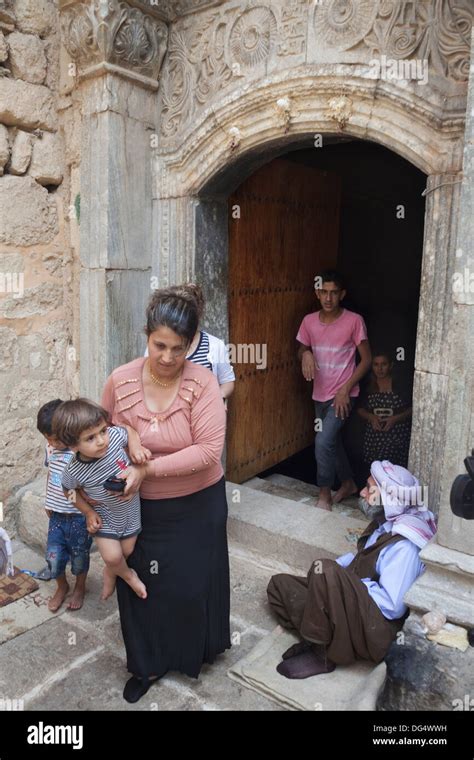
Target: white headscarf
[[403, 504]]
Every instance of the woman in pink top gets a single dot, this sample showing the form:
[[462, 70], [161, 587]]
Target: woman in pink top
[[181, 554]]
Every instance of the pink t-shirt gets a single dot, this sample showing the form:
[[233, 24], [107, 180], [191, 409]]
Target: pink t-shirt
[[334, 346]]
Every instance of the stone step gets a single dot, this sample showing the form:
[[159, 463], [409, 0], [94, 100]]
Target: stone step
[[306, 493], [284, 530]]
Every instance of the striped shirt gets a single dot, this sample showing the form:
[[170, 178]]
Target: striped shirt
[[56, 461], [120, 517], [200, 353]]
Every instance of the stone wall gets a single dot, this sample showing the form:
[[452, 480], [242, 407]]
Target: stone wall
[[36, 261]]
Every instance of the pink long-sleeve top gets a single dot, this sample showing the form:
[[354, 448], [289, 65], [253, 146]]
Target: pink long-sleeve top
[[186, 440]]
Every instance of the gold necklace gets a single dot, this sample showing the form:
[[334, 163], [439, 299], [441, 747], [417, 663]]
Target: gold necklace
[[158, 382]]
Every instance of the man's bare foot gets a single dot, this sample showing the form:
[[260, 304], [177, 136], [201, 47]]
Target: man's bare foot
[[348, 488], [323, 504], [135, 583], [324, 499], [55, 602], [76, 600], [109, 584]]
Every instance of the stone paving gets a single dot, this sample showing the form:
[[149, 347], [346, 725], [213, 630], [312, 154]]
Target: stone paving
[[76, 660]]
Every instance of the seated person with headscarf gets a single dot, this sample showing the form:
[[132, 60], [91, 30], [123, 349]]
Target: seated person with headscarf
[[352, 608]]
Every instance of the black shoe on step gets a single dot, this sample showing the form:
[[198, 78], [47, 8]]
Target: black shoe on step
[[135, 688]]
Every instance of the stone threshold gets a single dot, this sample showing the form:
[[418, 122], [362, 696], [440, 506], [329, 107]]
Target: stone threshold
[[288, 531]]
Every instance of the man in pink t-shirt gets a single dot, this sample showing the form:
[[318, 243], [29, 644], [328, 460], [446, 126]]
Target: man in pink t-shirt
[[328, 341]]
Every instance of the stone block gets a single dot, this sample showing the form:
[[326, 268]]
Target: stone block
[[101, 296], [3, 48], [438, 266], [26, 105], [8, 349], [29, 214], [36, 659], [430, 395], [21, 454], [27, 57], [117, 232], [446, 585], [285, 531], [31, 519], [12, 277], [47, 160], [34, 301], [51, 49], [22, 148], [422, 675], [36, 16], [4, 147], [451, 636]]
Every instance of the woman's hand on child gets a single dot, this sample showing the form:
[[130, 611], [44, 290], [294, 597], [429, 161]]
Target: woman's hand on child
[[139, 454], [94, 521], [134, 475]]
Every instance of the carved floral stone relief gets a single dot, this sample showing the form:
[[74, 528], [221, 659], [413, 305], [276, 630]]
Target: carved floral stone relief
[[228, 44], [436, 30], [213, 50], [114, 32]]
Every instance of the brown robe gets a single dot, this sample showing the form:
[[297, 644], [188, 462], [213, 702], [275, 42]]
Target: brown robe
[[332, 606]]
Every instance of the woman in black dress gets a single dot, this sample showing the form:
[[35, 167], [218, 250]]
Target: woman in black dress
[[181, 554], [387, 411]]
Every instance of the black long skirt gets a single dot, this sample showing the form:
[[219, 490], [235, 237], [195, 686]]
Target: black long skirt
[[181, 556]]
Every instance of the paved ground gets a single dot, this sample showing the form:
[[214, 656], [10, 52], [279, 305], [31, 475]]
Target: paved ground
[[76, 660]]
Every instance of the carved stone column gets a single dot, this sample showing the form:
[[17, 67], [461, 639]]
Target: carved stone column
[[118, 48], [423, 674], [124, 38], [190, 243], [432, 363]]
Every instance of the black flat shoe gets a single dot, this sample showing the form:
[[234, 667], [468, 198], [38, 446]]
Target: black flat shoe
[[135, 688]]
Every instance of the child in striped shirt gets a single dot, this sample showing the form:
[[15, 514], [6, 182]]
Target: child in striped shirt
[[68, 539], [99, 456]]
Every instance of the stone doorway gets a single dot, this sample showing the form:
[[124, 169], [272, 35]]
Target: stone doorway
[[379, 245]]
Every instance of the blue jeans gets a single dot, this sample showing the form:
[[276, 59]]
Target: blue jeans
[[68, 539], [331, 459]]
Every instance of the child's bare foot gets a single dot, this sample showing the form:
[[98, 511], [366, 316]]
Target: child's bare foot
[[109, 584], [55, 602], [348, 488], [135, 583], [76, 600]]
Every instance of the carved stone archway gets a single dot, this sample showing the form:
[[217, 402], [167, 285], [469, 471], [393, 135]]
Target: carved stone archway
[[176, 101], [193, 181], [241, 83]]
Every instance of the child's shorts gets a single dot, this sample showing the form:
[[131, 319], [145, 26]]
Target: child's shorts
[[68, 539], [120, 521]]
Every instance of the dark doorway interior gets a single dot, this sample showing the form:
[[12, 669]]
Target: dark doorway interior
[[380, 252]]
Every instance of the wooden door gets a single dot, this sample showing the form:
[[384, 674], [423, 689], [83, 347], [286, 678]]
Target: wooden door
[[287, 232]]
